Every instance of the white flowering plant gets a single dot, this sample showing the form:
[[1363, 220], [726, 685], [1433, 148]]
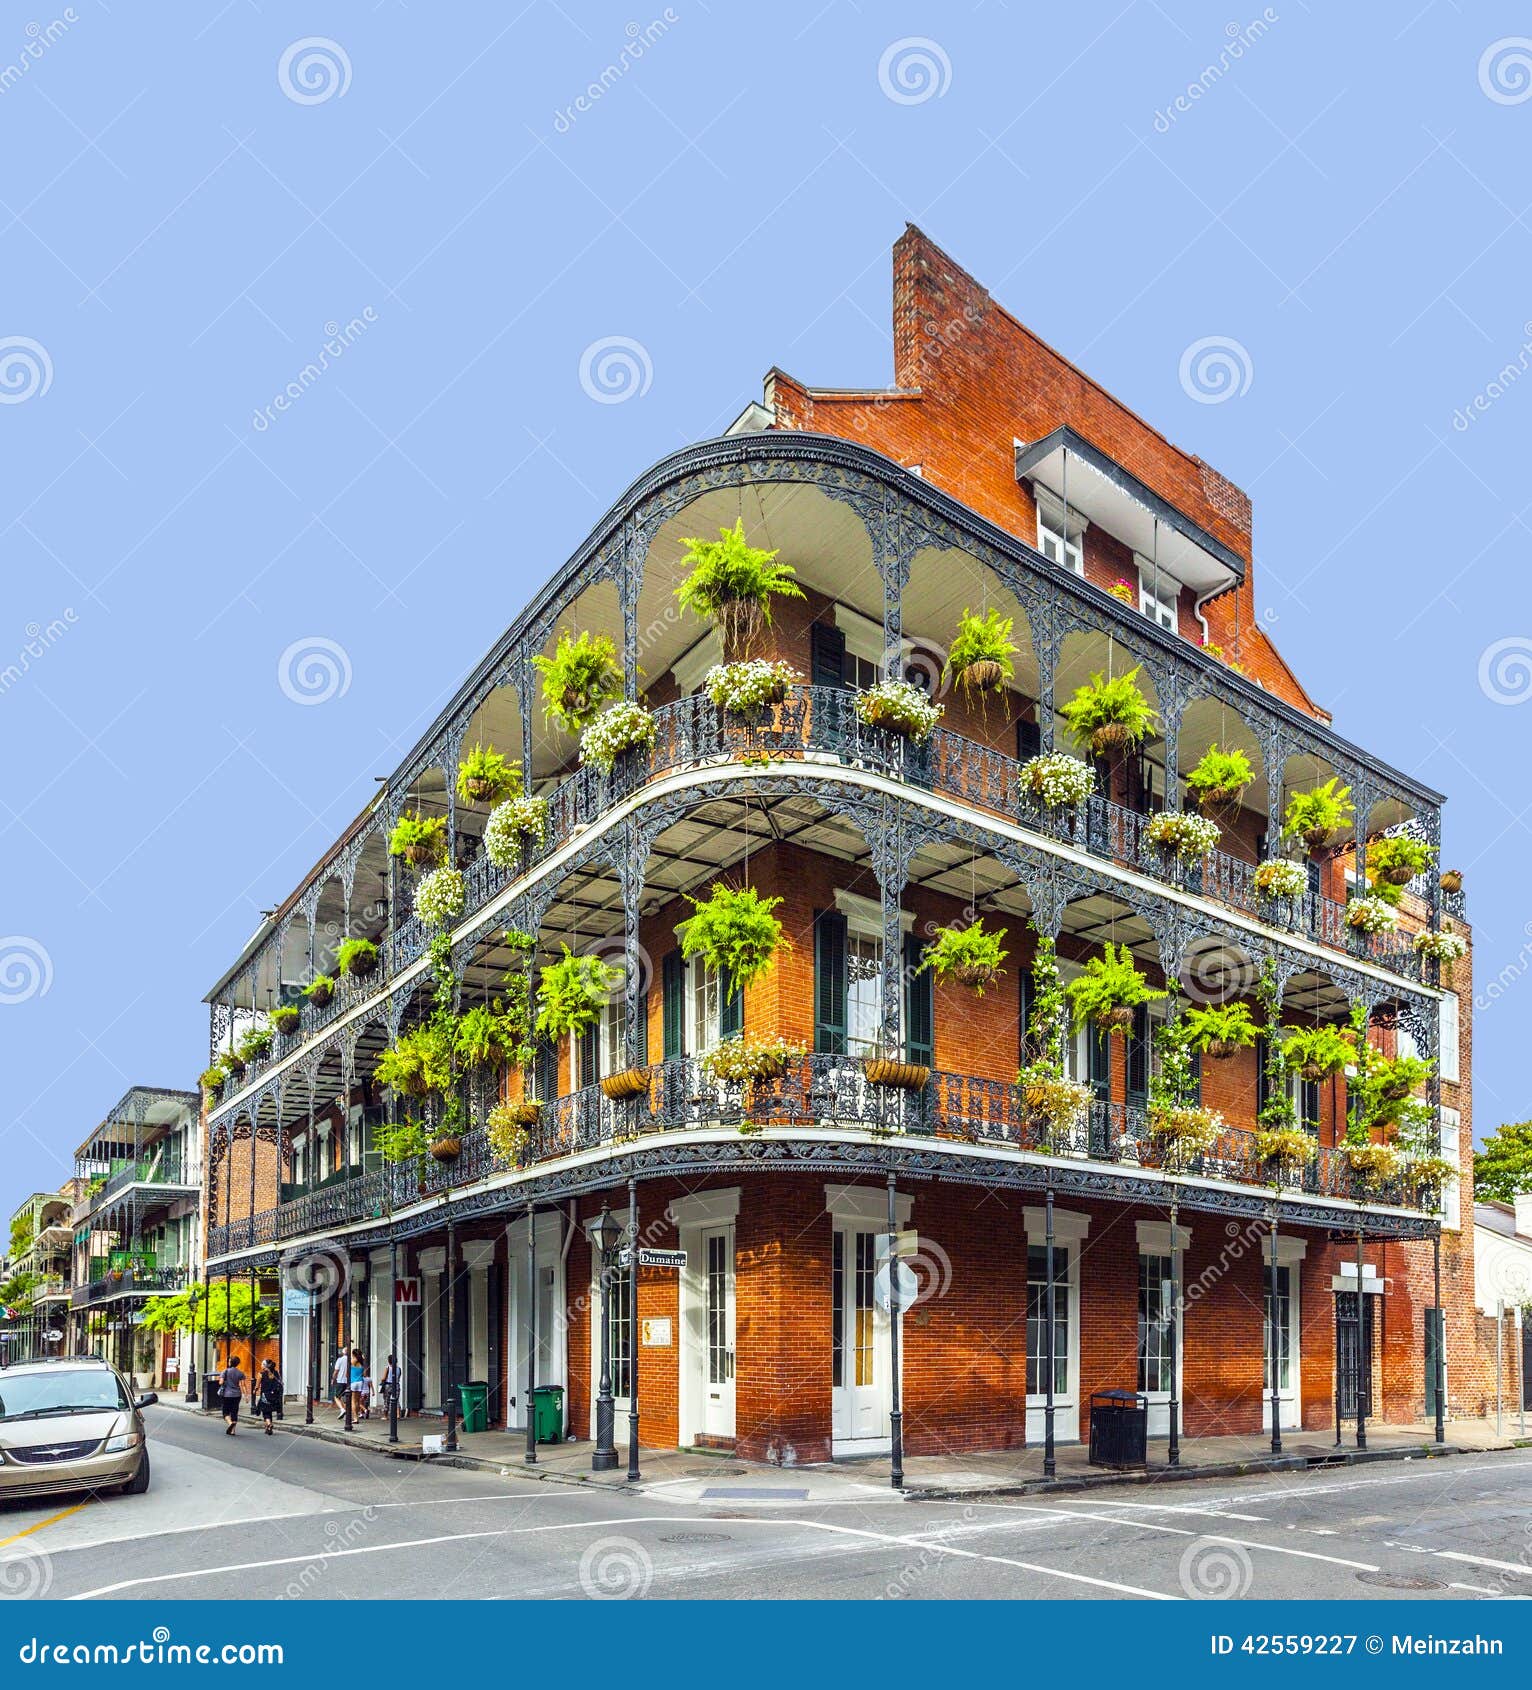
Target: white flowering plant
[[746, 689], [619, 728], [1059, 780], [1371, 915], [1180, 831], [900, 708], [1280, 878], [510, 823], [439, 898], [1445, 947]]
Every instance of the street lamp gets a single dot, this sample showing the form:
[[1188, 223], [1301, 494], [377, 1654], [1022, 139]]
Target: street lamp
[[607, 1235]]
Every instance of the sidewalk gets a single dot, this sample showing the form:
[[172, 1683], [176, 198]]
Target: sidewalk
[[703, 1475]]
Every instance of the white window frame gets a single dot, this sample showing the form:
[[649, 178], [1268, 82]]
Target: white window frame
[[864, 921], [1448, 1033], [703, 997], [1060, 533], [1154, 604], [1076, 1041], [1070, 1228], [611, 1054], [1452, 1192]]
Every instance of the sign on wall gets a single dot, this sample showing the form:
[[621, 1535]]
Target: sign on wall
[[407, 1293], [655, 1333]]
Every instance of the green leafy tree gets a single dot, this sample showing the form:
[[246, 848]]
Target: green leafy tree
[[1503, 1169], [230, 1308]]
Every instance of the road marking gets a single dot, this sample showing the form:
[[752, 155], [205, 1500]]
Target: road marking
[[1485, 1561], [323, 1558], [52, 1520], [1170, 1508]]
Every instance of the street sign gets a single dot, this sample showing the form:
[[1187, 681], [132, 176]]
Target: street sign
[[53, 1335], [661, 1258]]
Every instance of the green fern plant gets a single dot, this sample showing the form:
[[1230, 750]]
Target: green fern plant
[[734, 931], [1316, 815], [733, 583], [485, 777], [1218, 1030], [982, 651], [420, 840], [356, 958], [1110, 713], [1109, 990], [1220, 778], [969, 955], [583, 674], [1315, 1053], [572, 992]]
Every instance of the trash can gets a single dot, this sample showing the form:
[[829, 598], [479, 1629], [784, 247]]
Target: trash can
[[473, 1404], [210, 1384], [1119, 1429], [548, 1414]]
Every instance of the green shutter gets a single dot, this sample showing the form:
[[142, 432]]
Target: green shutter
[[1197, 1079], [1024, 1009], [1099, 1060], [1138, 1056], [673, 1007], [1433, 1344], [919, 1006], [830, 982], [731, 1016], [827, 655]]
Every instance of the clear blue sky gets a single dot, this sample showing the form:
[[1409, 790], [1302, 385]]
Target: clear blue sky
[[1346, 199]]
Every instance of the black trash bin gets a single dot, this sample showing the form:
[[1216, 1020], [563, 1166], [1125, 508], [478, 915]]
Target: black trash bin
[[1119, 1429], [210, 1385]]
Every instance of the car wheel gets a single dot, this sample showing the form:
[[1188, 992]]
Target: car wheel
[[139, 1483]]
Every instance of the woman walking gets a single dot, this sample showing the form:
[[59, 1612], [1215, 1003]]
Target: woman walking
[[269, 1401], [390, 1382], [231, 1387], [358, 1374]]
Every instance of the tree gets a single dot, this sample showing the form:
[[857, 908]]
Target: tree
[[228, 1310], [1504, 1166]]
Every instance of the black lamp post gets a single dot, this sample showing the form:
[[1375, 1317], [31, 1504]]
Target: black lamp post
[[607, 1235]]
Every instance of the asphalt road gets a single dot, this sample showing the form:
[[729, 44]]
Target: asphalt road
[[264, 1518]]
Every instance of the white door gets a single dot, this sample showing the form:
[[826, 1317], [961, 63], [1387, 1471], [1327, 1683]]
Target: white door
[[718, 1332], [1288, 1328], [1157, 1331], [549, 1358], [861, 1359], [1066, 1358]]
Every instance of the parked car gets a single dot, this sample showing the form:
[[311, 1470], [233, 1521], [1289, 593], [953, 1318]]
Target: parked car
[[68, 1425]]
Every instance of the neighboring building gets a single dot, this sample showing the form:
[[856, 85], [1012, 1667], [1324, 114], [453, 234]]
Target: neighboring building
[[1503, 1292], [137, 1228], [993, 475], [35, 1280]]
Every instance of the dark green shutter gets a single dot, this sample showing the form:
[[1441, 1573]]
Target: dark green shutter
[[830, 982], [827, 655], [1262, 1086], [673, 1007], [1024, 1009], [1196, 1079], [1308, 1106], [1029, 740], [731, 1016], [1433, 1345], [589, 1055], [643, 1028], [919, 1006], [545, 1070], [1099, 1062], [1138, 1056]]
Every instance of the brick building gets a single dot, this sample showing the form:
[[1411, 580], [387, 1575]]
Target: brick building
[[993, 476]]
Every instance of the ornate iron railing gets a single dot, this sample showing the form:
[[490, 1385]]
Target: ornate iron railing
[[129, 1284], [814, 1091]]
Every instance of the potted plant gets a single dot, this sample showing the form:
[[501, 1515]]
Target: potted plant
[[357, 958], [982, 652], [440, 897], [582, 675], [969, 955], [420, 840], [1057, 780], [732, 583], [898, 707], [1219, 1030], [1285, 1149], [1372, 1164], [749, 1059], [1430, 1174], [1440, 946], [1124, 591], [1452, 880], [1315, 1053], [506, 1128], [734, 931], [1279, 878], [403, 1142], [417, 1063], [212, 1082], [1371, 914], [234, 1062], [1110, 714], [1397, 1076], [320, 990], [1055, 1105], [572, 993], [485, 777], [1189, 837], [1218, 782], [1184, 1131], [255, 1044], [890, 1068], [625, 1083], [512, 825], [620, 729], [285, 1020], [1109, 990], [1318, 815], [485, 1036], [748, 690], [1397, 858]]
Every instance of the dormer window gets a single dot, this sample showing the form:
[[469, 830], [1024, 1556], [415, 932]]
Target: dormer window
[[1060, 533]]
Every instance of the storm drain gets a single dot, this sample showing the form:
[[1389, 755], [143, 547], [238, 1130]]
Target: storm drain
[[1400, 1581]]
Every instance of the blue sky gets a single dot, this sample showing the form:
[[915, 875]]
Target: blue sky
[[192, 209]]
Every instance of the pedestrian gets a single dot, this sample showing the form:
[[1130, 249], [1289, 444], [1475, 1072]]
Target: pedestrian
[[366, 1390], [269, 1400], [390, 1383], [339, 1378], [358, 1374], [231, 1387]]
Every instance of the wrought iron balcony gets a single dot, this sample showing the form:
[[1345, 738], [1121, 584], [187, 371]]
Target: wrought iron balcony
[[127, 1284]]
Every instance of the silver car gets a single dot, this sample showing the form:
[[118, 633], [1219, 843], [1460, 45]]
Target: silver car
[[69, 1425]]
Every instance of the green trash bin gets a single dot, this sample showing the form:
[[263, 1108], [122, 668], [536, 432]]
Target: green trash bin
[[548, 1413], [473, 1405]]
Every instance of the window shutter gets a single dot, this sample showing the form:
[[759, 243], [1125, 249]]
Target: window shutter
[[830, 982], [919, 1006], [1308, 1106], [1262, 1090], [731, 1016], [1315, 875], [545, 1070], [1138, 1056], [1197, 1079], [1099, 1062], [1029, 740], [1024, 995], [643, 1028], [827, 655], [672, 1007], [589, 1056]]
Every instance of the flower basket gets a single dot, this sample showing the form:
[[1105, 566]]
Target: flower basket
[[362, 964], [320, 993], [899, 708], [1189, 837], [984, 674], [1220, 807], [1397, 875], [1371, 915], [1118, 1019], [1452, 880], [235, 1064], [1058, 780], [527, 1113], [1285, 1149], [903, 1076], [628, 1082], [447, 1148], [1441, 946], [1279, 878], [1372, 1164], [1315, 839], [1185, 1132]]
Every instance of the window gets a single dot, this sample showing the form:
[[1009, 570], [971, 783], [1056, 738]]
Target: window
[[1156, 1322], [1447, 1032], [1157, 594], [613, 1026], [1284, 1330], [1060, 538], [861, 672], [619, 1279], [1037, 1302], [864, 992], [1452, 1197], [704, 1019]]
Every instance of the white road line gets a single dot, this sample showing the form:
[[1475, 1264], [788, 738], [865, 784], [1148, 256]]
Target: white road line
[[1485, 1561], [323, 1558], [1170, 1508]]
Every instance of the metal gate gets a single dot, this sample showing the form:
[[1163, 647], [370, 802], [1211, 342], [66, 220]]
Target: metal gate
[[1353, 1354]]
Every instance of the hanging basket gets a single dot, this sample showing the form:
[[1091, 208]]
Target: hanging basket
[[362, 964], [1110, 738], [320, 995], [235, 1065], [903, 1076], [1313, 1071], [739, 622], [1316, 839], [446, 1149], [1400, 876], [1118, 1020], [1220, 1049], [1395, 1091], [1220, 807], [419, 856], [629, 1082], [975, 975], [524, 1114], [985, 675]]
